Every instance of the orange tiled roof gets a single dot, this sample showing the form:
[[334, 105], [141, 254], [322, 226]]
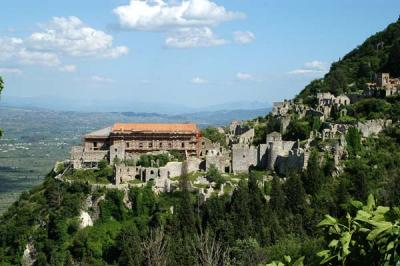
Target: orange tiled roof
[[192, 128]]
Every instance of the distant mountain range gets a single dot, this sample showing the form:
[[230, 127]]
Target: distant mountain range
[[203, 119], [87, 105]]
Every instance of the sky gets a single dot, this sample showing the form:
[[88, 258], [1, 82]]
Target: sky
[[115, 54]]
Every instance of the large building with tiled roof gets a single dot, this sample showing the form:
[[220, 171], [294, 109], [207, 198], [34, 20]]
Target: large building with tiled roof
[[124, 141]]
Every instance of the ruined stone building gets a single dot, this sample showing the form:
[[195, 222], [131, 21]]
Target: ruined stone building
[[127, 141], [275, 155], [384, 86], [327, 101]]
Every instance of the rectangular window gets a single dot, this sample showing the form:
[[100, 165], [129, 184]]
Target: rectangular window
[[127, 144], [150, 144], [140, 145]]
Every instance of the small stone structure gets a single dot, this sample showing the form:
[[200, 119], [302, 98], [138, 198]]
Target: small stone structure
[[370, 128], [334, 131], [384, 86]]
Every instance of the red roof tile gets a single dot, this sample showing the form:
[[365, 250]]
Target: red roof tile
[[185, 128]]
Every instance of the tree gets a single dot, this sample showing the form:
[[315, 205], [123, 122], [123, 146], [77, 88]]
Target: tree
[[128, 244], [277, 201], [297, 130], [295, 194], [392, 65], [337, 81], [155, 248], [353, 138], [239, 211], [213, 175], [209, 250], [214, 135], [248, 252], [185, 214], [312, 177]]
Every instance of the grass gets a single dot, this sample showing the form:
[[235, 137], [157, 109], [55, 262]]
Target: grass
[[91, 176]]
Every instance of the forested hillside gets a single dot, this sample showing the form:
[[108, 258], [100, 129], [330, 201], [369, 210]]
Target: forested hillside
[[379, 53], [319, 216]]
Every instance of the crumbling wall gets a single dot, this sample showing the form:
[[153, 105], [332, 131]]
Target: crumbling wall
[[372, 127], [243, 156], [117, 151]]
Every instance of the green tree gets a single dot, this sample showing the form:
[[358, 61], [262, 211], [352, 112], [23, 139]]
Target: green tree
[[392, 65], [248, 252], [353, 138], [239, 211], [214, 135], [313, 176], [277, 201], [337, 81], [185, 214], [213, 175], [295, 194], [297, 130], [128, 243]]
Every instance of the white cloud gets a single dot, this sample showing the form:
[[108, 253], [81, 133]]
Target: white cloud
[[244, 76], [199, 80], [315, 65], [6, 70], [244, 37], [14, 49], [155, 15], [314, 68], [60, 37], [72, 37], [101, 79], [68, 68], [193, 38]]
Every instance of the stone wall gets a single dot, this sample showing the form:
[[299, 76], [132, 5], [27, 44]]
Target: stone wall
[[117, 151], [247, 137], [221, 162], [243, 156], [372, 127]]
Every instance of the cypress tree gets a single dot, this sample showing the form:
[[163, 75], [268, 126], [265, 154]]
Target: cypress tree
[[277, 201], [312, 177], [295, 194]]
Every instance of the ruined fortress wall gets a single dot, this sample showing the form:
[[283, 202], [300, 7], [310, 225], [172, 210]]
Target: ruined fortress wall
[[243, 157], [193, 164], [372, 127], [221, 162], [278, 149], [247, 137], [94, 156], [125, 173]]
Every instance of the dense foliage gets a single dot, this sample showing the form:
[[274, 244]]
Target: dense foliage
[[148, 160], [214, 135], [379, 53]]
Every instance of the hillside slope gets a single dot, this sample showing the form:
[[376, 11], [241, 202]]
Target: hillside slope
[[379, 53]]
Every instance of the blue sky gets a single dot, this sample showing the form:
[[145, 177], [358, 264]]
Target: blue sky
[[193, 52]]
